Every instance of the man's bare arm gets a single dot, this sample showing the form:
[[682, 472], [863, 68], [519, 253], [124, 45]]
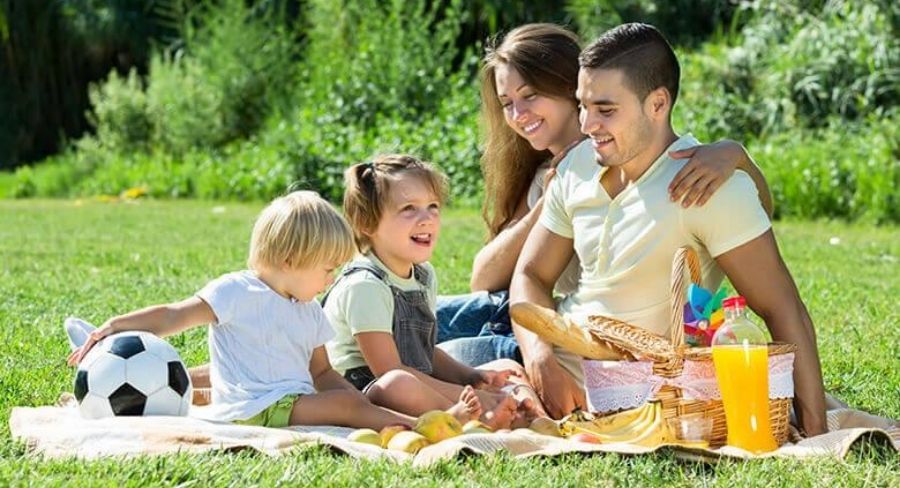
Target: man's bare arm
[[758, 272], [543, 259]]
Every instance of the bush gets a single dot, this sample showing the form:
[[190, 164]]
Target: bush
[[120, 113], [237, 112], [62, 175], [790, 66], [849, 171], [845, 62], [186, 110], [684, 22], [220, 86], [368, 59], [314, 155]]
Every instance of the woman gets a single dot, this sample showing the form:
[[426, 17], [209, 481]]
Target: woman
[[530, 118]]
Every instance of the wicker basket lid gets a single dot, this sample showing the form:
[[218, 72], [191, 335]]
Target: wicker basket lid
[[639, 342]]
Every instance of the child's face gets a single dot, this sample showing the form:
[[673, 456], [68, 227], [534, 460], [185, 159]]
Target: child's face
[[304, 284], [409, 225]]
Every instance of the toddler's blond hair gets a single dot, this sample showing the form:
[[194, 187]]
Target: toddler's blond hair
[[301, 230]]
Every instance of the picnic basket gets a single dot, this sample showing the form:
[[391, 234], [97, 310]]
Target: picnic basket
[[605, 338]]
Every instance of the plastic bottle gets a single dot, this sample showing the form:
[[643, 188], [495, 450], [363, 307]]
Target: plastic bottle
[[741, 359]]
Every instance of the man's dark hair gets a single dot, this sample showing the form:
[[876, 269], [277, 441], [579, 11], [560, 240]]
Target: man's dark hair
[[641, 52]]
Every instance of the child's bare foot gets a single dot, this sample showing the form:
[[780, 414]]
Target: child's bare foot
[[525, 414], [473, 404], [490, 399], [468, 407], [528, 401], [519, 420], [502, 415], [529, 409]]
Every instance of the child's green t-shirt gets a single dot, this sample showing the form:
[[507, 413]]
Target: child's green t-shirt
[[361, 302]]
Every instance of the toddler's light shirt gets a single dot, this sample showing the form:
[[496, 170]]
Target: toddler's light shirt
[[260, 345]]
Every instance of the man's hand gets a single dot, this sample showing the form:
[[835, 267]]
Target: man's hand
[[556, 388], [544, 257]]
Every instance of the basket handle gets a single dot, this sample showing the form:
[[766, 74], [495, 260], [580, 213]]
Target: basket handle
[[684, 257]]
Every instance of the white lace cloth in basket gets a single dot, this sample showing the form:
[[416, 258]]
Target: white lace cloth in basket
[[620, 385]]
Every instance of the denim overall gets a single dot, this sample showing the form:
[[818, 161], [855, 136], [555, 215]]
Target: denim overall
[[414, 325]]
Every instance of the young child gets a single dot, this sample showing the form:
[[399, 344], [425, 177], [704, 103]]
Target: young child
[[268, 363], [382, 305]]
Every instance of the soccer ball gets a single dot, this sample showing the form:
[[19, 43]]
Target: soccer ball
[[132, 373]]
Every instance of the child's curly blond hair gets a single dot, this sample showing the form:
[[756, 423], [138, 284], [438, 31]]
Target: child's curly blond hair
[[300, 230]]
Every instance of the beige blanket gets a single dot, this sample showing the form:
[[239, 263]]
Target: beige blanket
[[59, 431]]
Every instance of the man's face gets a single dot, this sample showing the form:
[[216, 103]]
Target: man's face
[[612, 116]]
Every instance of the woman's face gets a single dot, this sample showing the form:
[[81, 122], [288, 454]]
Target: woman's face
[[545, 122]]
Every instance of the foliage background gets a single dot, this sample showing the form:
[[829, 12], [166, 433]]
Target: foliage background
[[243, 99]]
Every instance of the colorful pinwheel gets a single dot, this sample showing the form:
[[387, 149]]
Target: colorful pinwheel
[[703, 314]]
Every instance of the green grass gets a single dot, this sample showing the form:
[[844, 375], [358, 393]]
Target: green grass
[[7, 183], [94, 260]]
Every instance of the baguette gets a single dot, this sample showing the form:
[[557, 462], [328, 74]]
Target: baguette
[[560, 331]]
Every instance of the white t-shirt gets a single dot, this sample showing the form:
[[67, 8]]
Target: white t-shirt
[[626, 244], [260, 345], [361, 302]]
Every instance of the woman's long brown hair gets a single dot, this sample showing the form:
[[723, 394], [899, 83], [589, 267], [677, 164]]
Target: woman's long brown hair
[[546, 56]]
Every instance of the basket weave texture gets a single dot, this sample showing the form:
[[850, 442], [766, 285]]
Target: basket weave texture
[[668, 356]]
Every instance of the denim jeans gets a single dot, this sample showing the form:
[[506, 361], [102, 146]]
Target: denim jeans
[[475, 328]]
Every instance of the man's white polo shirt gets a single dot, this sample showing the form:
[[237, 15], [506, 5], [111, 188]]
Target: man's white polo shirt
[[626, 244]]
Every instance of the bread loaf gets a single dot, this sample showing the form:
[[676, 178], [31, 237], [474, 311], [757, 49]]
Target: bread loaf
[[560, 331]]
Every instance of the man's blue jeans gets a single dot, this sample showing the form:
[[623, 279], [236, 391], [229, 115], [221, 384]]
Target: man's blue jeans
[[475, 328]]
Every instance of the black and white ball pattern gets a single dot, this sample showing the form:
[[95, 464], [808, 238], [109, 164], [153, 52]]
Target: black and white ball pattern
[[132, 373]]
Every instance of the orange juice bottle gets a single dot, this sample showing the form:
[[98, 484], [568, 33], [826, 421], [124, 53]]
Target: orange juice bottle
[[741, 359]]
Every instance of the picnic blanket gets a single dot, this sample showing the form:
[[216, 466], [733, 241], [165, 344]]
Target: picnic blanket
[[60, 431]]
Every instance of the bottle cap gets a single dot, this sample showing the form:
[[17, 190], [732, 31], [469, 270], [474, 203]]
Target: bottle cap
[[734, 302], [738, 330]]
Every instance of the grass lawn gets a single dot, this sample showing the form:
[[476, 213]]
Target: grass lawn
[[96, 259]]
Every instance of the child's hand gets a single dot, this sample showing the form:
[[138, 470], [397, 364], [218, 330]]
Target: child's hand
[[95, 336], [493, 379]]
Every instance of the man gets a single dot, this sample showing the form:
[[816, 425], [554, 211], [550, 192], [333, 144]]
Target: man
[[609, 204]]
